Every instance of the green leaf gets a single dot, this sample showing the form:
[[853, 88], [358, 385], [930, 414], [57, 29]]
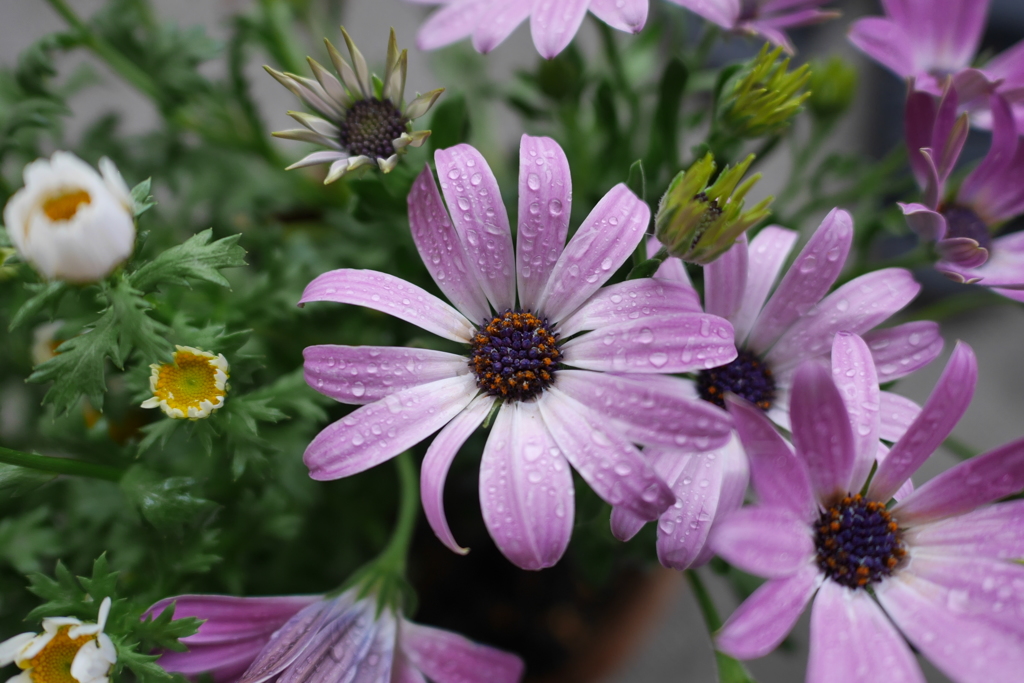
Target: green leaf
[[137, 329], [46, 296], [141, 198], [449, 125], [731, 671], [166, 503], [637, 180], [196, 259], [77, 369], [164, 631], [26, 539], [17, 481]]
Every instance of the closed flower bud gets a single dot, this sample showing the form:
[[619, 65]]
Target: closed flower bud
[[763, 96], [833, 85], [698, 223], [70, 222]]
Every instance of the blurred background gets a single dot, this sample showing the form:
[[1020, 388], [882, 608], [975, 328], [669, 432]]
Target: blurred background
[[656, 633]]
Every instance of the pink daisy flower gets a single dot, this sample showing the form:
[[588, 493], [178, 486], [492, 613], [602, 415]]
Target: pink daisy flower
[[765, 18], [930, 40], [933, 569], [962, 223], [774, 335], [574, 369], [553, 23], [310, 637]]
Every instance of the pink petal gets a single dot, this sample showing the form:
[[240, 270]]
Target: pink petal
[[764, 619], [376, 663], [854, 374], [945, 407], [777, 476], [928, 224], [624, 524], [807, 280], [708, 488], [766, 255], [986, 183], [898, 351], [725, 280], [446, 657], [441, 249], [474, 201], [979, 588], [764, 541], [852, 641], [682, 343], [946, 34], [821, 431], [994, 531], [627, 15], [855, 307], [439, 459], [963, 251], [602, 244], [1004, 268], [554, 24], [404, 672], [721, 12], [896, 414], [229, 619], [391, 295], [502, 19], [451, 23], [290, 641], [885, 42], [379, 431], [545, 202], [336, 650], [224, 662], [671, 268], [611, 465], [364, 374], [526, 489], [967, 650], [631, 300], [661, 413], [972, 483]]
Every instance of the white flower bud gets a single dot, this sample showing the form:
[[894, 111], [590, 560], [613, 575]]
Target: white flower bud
[[70, 222]]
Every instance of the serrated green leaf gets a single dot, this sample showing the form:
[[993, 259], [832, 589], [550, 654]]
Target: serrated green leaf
[[47, 295], [164, 502], [26, 539], [142, 200], [103, 583], [157, 432], [164, 631], [78, 367], [196, 259]]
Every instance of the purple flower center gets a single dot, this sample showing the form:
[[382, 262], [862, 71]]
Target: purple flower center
[[515, 355], [370, 127], [858, 542], [748, 377], [963, 222]]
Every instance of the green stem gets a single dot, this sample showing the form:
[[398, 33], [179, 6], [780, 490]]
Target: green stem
[[117, 61], [44, 463], [649, 267], [707, 41], [959, 448], [729, 670], [397, 549]]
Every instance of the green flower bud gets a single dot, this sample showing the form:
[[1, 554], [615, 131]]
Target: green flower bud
[[698, 223], [833, 85], [763, 96]]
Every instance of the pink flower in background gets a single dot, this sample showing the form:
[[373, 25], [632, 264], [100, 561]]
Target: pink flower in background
[[938, 562], [252, 640], [553, 23], [931, 40], [963, 224], [575, 369], [766, 18], [774, 334]]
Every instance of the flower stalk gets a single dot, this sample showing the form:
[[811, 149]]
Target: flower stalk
[[729, 669], [45, 463]]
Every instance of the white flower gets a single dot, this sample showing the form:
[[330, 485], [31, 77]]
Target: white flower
[[70, 222], [193, 385], [67, 651]]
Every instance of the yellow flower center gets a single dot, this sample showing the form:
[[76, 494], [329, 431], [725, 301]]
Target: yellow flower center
[[53, 663], [63, 207], [188, 381]]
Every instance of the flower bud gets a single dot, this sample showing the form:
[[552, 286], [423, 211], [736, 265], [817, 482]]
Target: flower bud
[[833, 85], [763, 96], [70, 222], [698, 223]]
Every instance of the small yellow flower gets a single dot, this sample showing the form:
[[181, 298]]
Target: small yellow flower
[[193, 385], [67, 651]]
